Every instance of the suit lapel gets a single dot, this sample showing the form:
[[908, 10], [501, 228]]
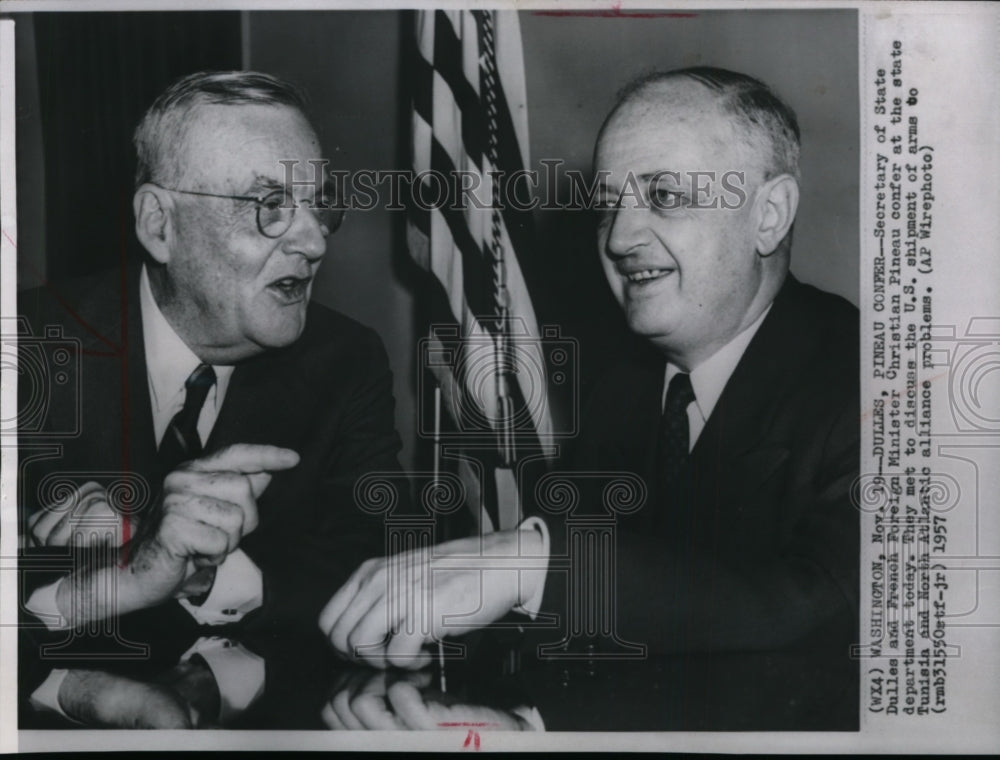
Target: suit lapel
[[734, 448], [139, 429], [264, 395], [116, 400]]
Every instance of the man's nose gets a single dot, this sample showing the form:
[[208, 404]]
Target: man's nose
[[305, 236], [628, 228]]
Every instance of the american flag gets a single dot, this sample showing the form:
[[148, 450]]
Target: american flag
[[470, 119]]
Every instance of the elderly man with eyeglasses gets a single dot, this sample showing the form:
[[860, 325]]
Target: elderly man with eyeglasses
[[235, 415]]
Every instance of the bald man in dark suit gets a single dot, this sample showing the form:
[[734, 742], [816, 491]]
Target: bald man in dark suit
[[740, 413]]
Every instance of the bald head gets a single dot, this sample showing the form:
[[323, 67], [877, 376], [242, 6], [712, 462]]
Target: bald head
[[759, 121], [699, 193]]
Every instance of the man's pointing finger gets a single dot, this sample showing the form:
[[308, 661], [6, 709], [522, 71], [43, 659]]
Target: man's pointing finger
[[247, 458]]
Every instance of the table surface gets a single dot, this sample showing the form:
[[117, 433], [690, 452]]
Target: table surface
[[584, 691]]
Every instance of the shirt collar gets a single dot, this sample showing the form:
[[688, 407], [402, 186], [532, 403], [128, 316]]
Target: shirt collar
[[169, 361], [709, 378]]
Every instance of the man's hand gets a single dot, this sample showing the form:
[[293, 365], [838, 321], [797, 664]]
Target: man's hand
[[71, 520], [186, 696], [96, 698], [394, 701], [391, 606], [359, 703], [209, 504], [194, 682]]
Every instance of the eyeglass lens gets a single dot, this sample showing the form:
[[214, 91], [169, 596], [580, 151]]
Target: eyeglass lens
[[276, 212]]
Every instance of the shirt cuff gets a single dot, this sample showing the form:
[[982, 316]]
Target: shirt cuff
[[532, 582], [237, 590], [46, 697], [239, 673], [42, 604]]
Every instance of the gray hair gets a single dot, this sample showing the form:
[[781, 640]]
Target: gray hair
[[768, 123], [164, 126]]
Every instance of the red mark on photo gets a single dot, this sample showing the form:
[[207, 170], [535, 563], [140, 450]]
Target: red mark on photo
[[471, 740], [466, 724]]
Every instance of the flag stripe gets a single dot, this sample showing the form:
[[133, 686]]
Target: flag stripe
[[448, 63], [469, 117], [447, 50], [476, 279], [423, 89], [472, 406]]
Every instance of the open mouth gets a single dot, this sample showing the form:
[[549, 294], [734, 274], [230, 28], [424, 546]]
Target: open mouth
[[647, 275], [290, 289]]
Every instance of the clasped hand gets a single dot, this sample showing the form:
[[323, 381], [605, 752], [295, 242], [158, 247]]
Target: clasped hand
[[70, 520], [387, 701], [208, 506], [392, 606]]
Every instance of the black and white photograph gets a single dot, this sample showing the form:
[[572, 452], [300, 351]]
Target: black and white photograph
[[553, 376]]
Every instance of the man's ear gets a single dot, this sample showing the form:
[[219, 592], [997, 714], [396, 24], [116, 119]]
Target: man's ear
[[153, 209], [778, 201]]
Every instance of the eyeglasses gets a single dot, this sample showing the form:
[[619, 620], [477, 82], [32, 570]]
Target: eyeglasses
[[276, 210]]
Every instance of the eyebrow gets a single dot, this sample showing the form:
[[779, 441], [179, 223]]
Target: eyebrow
[[646, 177], [669, 173], [262, 185]]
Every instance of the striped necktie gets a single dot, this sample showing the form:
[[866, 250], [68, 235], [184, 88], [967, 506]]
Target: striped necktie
[[180, 440]]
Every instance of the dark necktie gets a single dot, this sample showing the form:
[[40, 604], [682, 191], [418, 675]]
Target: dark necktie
[[180, 440], [181, 443], [674, 437]]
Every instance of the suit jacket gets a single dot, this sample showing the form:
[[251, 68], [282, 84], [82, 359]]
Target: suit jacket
[[328, 396], [760, 558]]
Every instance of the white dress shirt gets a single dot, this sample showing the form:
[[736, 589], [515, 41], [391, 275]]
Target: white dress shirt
[[238, 586], [169, 363], [709, 378]]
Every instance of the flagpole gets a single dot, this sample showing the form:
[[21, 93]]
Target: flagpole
[[437, 483]]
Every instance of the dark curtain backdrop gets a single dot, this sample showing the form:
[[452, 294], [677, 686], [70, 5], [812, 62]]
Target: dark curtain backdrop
[[97, 73]]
